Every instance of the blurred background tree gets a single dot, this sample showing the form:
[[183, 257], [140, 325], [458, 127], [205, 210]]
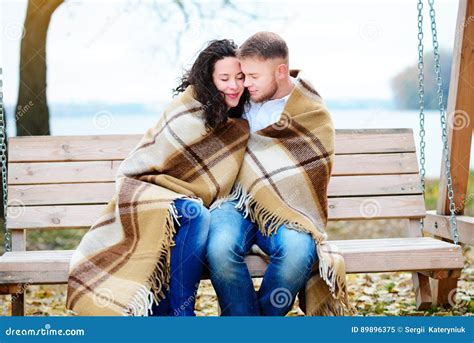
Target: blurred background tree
[[405, 84], [32, 89]]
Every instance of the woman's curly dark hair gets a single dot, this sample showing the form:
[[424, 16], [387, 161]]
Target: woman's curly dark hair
[[214, 107]]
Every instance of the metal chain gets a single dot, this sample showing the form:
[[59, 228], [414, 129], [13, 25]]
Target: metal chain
[[444, 136], [421, 93], [3, 147]]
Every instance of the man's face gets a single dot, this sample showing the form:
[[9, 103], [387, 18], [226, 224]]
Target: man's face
[[260, 78]]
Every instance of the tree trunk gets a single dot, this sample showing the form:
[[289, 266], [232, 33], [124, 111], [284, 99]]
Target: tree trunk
[[32, 114]]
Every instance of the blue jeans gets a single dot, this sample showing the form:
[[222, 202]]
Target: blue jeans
[[292, 255], [188, 259]]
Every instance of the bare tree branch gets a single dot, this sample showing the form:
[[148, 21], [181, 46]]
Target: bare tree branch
[[230, 4], [185, 14]]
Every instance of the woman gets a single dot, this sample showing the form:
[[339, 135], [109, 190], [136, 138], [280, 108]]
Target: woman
[[145, 253], [214, 76]]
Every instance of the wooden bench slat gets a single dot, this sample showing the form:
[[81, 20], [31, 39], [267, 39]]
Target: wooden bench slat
[[388, 254], [62, 172], [375, 164], [394, 244], [83, 216], [53, 273], [61, 194], [104, 171], [374, 141], [53, 217], [71, 148], [117, 147], [96, 193], [400, 254], [369, 185], [383, 207]]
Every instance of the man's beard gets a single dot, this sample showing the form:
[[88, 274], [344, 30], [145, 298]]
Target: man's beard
[[269, 94]]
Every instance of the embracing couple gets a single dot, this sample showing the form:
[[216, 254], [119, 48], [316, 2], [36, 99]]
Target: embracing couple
[[240, 160]]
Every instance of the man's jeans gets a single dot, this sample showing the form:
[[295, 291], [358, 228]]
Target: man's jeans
[[292, 255], [188, 258]]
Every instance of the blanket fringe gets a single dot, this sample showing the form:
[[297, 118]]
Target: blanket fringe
[[152, 290], [333, 307], [328, 274], [235, 195], [268, 220], [339, 304]]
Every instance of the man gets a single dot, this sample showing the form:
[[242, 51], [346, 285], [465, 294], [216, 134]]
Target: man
[[242, 219]]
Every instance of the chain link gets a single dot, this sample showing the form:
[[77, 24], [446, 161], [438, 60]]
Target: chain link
[[3, 147], [421, 93], [444, 136]]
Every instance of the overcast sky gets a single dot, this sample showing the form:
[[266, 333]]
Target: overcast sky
[[121, 51]]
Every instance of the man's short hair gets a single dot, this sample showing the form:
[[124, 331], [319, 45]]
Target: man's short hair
[[264, 45]]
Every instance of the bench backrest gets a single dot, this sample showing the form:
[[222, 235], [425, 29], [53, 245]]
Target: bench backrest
[[64, 181]]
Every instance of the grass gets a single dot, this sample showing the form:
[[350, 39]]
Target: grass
[[432, 191]]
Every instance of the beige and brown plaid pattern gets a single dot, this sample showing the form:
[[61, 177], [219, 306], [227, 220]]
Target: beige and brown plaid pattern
[[122, 262], [284, 180]]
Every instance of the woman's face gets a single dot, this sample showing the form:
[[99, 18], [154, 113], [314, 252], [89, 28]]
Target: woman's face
[[229, 79]]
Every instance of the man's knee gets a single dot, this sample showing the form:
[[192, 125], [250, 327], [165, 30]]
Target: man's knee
[[227, 206], [226, 234], [224, 213], [222, 246], [296, 248], [224, 252]]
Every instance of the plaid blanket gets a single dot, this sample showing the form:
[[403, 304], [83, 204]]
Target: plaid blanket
[[122, 262], [284, 180]]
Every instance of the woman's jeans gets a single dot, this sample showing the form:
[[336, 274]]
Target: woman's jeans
[[187, 260], [292, 255]]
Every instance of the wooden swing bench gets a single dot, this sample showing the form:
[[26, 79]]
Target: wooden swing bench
[[62, 182]]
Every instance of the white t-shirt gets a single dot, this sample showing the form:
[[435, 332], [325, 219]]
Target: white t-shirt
[[263, 114]]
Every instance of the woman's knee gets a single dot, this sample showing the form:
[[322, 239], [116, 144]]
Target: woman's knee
[[193, 223], [193, 210]]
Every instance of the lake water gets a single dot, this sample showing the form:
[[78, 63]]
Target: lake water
[[104, 122]]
